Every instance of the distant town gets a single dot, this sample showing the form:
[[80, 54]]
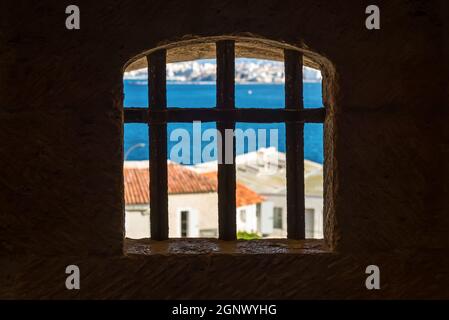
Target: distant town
[[246, 71]]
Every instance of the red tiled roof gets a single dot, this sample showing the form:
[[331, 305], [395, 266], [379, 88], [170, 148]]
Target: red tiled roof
[[245, 196], [181, 180]]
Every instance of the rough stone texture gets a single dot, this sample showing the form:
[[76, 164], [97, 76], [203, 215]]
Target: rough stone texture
[[61, 187], [192, 48]]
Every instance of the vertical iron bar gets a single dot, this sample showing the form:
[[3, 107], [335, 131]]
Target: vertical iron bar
[[157, 98], [226, 171], [295, 147]]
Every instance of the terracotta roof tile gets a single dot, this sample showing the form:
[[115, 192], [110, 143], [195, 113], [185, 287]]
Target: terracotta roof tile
[[181, 180], [245, 196]]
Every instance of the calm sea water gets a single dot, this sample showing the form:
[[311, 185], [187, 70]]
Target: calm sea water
[[203, 96]]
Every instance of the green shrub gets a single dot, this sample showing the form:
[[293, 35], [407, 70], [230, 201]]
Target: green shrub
[[243, 235]]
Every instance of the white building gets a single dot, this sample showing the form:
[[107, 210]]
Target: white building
[[193, 202], [264, 171]]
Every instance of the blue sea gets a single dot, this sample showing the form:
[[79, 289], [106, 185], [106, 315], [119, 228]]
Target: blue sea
[[203, 96]]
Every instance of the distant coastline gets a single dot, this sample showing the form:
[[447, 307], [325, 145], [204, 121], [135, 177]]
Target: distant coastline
[[144, 82], [247, 71]]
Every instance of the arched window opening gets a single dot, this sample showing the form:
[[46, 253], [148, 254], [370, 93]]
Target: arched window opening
[[266, 183]]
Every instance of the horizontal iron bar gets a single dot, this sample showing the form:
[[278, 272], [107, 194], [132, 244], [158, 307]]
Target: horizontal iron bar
[[143, 115]]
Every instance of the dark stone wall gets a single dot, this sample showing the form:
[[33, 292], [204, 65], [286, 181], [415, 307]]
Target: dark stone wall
[[61, 197]]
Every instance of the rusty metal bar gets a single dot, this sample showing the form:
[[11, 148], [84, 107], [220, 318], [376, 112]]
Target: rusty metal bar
[[157, 97], [226, 153], [294, 146]]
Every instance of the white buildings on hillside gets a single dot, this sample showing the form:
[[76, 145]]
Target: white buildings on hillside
[[246, 71]]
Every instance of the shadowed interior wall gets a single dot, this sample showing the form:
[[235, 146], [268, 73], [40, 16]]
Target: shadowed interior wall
[[61, 157]]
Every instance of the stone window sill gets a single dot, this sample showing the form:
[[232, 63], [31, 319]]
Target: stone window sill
[[147, 247]]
